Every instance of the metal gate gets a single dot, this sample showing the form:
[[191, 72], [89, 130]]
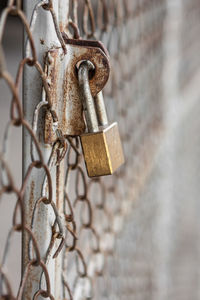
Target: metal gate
[[132, 235]]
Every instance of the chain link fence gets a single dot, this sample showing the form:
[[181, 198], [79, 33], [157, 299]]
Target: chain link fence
[[132, 235]]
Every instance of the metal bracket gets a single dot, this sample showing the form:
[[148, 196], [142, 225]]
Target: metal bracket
[[61, 71]]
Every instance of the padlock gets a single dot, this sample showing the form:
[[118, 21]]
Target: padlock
[[101, 144]]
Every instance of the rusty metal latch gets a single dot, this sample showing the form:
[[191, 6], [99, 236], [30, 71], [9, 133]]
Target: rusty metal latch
[[62, 76]]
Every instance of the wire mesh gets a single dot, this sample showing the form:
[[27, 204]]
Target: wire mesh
[[108, 241]]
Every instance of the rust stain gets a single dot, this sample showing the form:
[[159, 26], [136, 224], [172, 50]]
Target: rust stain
[[49, 135], [29, 283], [62, 26], [42, 41], [72, 105], [31, 196], [51, 61]]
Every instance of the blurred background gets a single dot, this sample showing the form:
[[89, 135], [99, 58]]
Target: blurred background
[[157, 254]]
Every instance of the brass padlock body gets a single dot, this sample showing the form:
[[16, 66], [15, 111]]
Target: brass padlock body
[[102, 151]]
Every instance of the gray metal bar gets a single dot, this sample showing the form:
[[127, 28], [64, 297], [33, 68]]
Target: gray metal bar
[[101, 109], [42, 28]]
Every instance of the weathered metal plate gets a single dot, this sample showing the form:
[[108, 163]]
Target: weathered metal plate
[[61, 71]]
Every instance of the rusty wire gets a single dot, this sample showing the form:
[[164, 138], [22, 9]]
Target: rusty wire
[[83, 214]]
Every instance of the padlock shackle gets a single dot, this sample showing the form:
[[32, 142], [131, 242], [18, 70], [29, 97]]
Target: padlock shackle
[[101, 109], [88, 101]]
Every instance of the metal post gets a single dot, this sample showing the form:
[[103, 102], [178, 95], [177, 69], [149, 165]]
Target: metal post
[[44, 36]]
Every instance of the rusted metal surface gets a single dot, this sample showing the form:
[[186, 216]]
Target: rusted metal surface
[[62, 78]]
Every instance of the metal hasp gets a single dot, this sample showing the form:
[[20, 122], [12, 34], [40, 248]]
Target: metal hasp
[[102, 147], [62, 76]]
